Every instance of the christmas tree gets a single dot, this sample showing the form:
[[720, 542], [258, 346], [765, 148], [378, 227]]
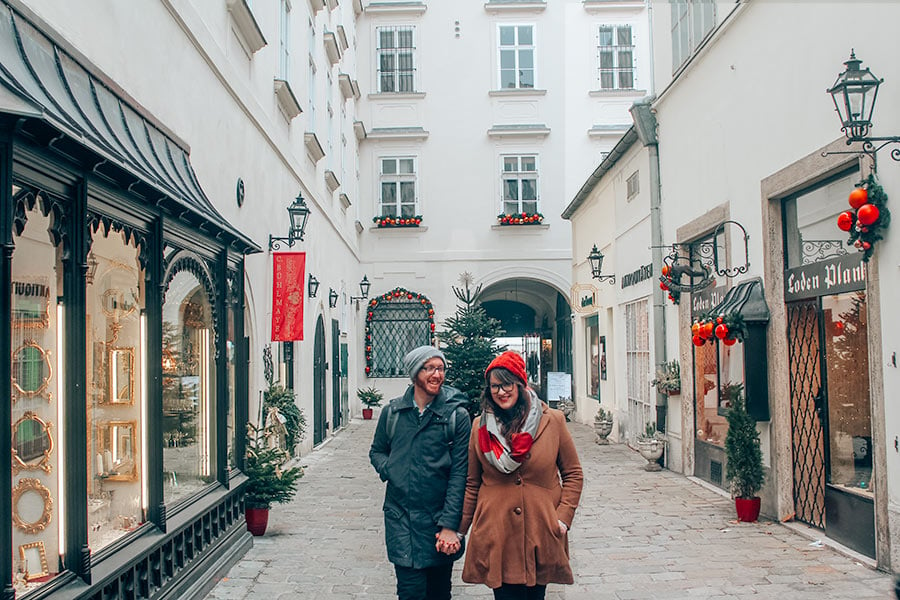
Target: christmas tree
[[469, 341]]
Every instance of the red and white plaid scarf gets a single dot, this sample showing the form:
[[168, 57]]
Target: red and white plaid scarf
[[506, 456]]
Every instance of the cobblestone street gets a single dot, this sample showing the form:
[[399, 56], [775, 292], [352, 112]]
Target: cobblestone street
[[636, 535]]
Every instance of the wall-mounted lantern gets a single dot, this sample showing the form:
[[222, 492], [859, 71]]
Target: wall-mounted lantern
[[298, 212], [596, 260], [332, 298], [312, 286], [363, 291]]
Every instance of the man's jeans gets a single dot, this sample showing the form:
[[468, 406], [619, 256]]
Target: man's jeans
[[431, 583]]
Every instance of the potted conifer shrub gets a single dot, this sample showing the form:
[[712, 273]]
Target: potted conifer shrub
[[744, 468], [268, 482], [603, 425], [370, 397]]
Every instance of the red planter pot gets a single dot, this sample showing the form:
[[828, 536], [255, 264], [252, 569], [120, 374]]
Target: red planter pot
[[257, 520], [367, 413], [747, 509]]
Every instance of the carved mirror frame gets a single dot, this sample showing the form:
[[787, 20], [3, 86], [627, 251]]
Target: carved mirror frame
[[114, 356], [45, 380], [42, 462], [25, 485]]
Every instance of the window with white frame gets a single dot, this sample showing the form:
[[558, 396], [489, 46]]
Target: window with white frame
[[311, 83], [396, 53], [692, 20], [519, 180], [637, 367], [398, 187], [285, 41], [516, 56], [615, 57]]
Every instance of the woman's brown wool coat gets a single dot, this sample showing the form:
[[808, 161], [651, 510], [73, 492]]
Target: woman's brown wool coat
[[515, 535]]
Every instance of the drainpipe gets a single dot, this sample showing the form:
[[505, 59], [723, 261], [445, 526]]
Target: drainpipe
[[645, 126]]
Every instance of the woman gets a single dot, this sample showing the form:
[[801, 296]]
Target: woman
[[520, 514]]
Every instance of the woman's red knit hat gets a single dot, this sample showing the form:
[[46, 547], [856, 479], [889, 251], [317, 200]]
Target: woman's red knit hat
[[512, 362]]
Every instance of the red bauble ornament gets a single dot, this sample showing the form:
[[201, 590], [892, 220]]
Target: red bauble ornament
[[858, 197], [698, 341], [719, 320], [839, 327], [663, 286], [845, 221], [729, 341], [866, 245], [868, 214], [695, 328], [665, 270], [706, 330], [721, 331]]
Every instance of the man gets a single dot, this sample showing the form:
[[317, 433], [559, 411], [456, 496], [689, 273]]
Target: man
[[420, 450]]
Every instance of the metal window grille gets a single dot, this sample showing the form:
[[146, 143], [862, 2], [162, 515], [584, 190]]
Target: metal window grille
[[396, 328], [516, 62], [519, 180], [396, 59], [615, 57], [637, 367], [398, 187]]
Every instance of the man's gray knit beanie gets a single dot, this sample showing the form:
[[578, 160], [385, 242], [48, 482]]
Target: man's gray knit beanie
[[416, 358]]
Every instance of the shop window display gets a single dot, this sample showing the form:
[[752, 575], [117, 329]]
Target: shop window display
[[115, 349], [188, 383], [36, 418]]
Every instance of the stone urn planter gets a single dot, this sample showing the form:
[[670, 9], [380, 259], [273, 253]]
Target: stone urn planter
[[651, 449], [603, 424]]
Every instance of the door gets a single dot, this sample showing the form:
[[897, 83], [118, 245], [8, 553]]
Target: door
[[320, 424], [806, 412], [337, 417]]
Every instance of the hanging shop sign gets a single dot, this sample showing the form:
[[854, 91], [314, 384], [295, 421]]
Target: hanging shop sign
[[288, 280], [844, 273], [584, 298]]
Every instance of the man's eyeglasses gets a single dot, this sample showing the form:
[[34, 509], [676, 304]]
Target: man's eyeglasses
[[432, 369], [506, 387]]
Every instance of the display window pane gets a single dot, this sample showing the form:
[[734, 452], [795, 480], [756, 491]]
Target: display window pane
[[849, 404], [36, 410], [231, 366], [114, 302], [188, 387], [592, 337]]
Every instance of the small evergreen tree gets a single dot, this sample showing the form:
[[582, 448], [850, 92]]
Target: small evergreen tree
[[469, 341], [267, 481], [744, 469]]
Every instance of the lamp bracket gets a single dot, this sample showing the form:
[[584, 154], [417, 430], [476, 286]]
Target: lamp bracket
[[611, 279], [699, 260], [870, 147], [275, 242]]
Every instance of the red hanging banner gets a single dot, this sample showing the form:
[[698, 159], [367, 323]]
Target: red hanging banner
[[287, 296]]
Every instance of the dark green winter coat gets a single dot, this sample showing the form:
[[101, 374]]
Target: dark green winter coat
[[426, 475]]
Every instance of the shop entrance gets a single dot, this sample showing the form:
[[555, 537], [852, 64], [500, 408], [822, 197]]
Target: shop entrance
[[827, 335]]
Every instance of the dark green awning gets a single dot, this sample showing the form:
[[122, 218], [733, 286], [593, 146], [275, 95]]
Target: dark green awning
[[39, 80], [746, 299]]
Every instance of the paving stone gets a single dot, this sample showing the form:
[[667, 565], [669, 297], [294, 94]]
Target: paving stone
[[636, 536]]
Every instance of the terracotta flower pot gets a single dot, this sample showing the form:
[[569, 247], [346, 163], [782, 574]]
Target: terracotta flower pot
[[747, 509], [367, 413], [257, 520]]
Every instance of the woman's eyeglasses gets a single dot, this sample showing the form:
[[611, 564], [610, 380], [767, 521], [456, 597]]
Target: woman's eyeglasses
[[506, 387]]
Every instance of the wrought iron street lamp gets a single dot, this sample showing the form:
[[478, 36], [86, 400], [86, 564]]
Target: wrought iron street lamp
[[596, 260], [363, 290], [312, 286], [332, 298], [854, 93], [298, 212]]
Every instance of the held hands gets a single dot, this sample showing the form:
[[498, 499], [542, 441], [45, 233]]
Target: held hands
[[447, 541]]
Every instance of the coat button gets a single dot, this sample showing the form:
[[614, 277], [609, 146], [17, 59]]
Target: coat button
[[527, 455], [518, 481], [517, 510]]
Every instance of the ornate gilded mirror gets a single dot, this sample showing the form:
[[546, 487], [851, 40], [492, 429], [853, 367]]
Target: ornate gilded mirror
[[121, 376], [117, 446], [119, 296], [34, 559], [31, 444], [31, 371], [32, 506]]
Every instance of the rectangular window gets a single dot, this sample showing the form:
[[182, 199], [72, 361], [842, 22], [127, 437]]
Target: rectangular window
[[615, 57], [692, 20], [519, 180], [311, 81], [637, 367], [516, 48], [398, 187], [285, 41], [632, 185], [396, 59]]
